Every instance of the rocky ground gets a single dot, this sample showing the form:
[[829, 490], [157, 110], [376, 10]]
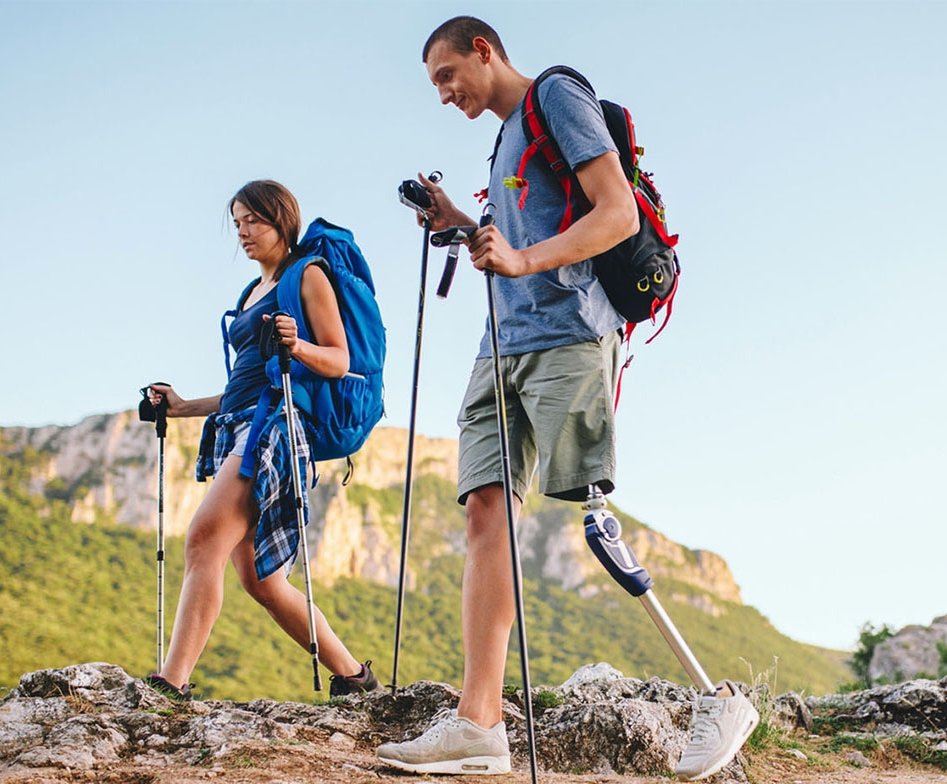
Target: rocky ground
[[94, 723]]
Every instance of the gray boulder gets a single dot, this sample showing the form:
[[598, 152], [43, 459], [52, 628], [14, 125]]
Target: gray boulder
[[93, 717], [913, 652]]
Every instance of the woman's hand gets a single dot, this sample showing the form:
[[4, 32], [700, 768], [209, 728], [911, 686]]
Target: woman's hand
[[287, 332], [178, 406], [159, 392]]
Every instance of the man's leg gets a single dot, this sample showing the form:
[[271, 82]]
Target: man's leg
[[488, 604], [472, 739]]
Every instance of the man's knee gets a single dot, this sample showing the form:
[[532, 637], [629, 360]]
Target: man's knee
[[486, 511]]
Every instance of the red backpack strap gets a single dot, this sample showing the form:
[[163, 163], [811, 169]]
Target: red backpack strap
[[668, 303], [539, 139], [626, 339]]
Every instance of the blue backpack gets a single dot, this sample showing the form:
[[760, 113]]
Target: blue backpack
[[340, 412]]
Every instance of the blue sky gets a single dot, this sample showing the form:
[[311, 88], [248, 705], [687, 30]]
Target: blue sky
[[791, 417]]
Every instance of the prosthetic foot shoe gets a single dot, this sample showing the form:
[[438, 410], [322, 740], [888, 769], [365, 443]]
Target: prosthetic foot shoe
[[340, 685], [454, 745], [720, 726]]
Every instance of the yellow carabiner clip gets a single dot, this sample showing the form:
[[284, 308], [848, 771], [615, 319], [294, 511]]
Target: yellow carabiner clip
[[658, 277], [643, 285]]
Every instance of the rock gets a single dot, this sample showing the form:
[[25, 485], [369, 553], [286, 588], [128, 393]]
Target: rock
[[858, 759], [342, 740], [225, 729], [80, 680], [791, 712], [799, 755], [602, 722], [911, 653], [79, 742], [627, 736], [915, 706], [592, 672]]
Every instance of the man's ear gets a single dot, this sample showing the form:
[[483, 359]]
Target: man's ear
[[482, 48]]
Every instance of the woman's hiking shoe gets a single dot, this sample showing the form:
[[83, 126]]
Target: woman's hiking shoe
[[719, 727], [340, 685], [452, 744], [168, 689]]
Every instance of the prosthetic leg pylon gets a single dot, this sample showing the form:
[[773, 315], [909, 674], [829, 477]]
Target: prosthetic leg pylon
[[603, 533]]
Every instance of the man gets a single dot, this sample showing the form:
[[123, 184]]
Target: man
[[559, 345]]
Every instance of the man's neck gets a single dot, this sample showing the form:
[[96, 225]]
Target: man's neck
[[509, 90]]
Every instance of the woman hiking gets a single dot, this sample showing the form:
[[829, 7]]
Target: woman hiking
[[248, 516]]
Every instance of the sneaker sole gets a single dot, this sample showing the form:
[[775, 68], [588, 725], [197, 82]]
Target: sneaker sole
[[471, 766], [731, 752]]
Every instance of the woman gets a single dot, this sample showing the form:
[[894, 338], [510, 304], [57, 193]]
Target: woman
[[229, 524]]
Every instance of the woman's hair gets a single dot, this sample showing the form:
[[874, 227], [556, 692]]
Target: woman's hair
[[275, 205]]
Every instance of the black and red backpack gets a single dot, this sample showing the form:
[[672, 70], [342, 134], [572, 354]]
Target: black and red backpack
[[640, 274]]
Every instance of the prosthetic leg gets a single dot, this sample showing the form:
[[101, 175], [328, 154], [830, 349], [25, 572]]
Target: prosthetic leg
[[603, 533]]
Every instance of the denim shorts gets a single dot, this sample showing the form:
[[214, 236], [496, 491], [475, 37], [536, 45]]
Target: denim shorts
[[240, 434]]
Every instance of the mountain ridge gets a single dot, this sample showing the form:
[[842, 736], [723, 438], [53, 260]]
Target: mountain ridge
[[101, 463], [77, 572]]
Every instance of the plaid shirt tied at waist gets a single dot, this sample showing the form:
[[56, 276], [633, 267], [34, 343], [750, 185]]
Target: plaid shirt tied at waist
[[277, 532]]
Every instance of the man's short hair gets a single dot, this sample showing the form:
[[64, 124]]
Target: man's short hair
[[460, 32]]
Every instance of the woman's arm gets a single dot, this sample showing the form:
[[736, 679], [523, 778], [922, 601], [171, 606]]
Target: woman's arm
[[329, 355], [178, 406]]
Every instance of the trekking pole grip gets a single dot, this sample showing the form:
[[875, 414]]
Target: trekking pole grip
[[276, 343], [487, 219], [161, 417], [157, 413], [284, 357]]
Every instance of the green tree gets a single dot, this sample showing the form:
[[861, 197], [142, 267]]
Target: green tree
[[868, 640]]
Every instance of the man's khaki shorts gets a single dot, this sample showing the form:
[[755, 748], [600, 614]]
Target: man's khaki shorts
[[559, 409]]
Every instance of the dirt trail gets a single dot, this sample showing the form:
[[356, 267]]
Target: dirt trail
[[324, 764]]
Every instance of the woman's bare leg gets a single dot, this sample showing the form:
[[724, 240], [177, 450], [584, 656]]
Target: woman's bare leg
[[219, 525], [287, 606]]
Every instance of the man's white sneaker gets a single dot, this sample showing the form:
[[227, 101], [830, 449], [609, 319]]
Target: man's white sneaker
[[719, 727], [452, 744]]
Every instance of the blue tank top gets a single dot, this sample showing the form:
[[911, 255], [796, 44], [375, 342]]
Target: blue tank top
[[248, 376]]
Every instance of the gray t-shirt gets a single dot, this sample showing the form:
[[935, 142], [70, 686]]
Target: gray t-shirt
[[562, 306]]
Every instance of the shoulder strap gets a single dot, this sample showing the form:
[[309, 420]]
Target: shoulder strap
[[232, 314], [539, 138], [289, 293]]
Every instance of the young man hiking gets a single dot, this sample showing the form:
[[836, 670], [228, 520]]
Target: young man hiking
[[559, 346]]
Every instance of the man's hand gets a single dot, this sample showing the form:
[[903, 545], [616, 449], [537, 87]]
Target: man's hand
[[489, 250], [442, 213]]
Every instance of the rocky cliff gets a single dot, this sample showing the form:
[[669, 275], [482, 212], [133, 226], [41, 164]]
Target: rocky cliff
[[107, 464], [93, 722], [914, 652]]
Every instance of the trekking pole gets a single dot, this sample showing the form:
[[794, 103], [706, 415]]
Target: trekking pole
[[284, 364], [486, 220], [158, 414], [412, 194], [603, 534]]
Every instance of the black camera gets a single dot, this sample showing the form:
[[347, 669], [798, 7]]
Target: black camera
[[413, 194]]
